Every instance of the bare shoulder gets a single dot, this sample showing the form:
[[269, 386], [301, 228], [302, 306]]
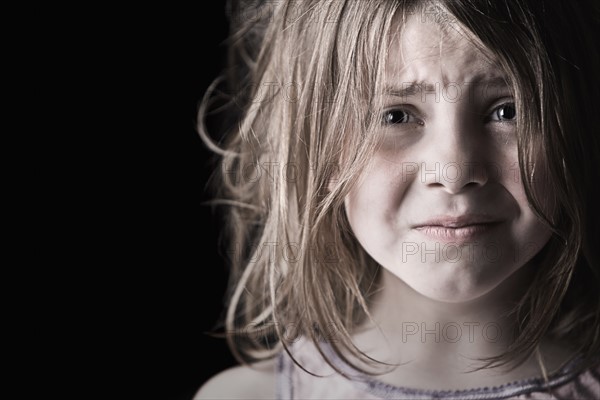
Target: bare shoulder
[[242, 382]]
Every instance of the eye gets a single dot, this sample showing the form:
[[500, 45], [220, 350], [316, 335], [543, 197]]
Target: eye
[[504, 113], [393, 117]]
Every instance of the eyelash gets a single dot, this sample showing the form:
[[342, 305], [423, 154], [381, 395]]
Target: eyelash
[[387, 115], [497, 108], [410, 116]]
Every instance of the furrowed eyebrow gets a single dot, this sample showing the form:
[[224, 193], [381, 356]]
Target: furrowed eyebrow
[[493, 82], [407, 89]]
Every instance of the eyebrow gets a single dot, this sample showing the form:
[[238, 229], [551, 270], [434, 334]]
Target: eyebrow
[[414, 87]]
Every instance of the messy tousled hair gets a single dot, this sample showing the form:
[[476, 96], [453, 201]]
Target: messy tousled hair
[[297, 123]]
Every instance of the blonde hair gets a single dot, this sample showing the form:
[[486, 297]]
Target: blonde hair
[[300, 121]]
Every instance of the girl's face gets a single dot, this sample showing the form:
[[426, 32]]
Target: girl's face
[[441, 204]]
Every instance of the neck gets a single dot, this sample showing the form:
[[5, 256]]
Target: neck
[[427, 335]]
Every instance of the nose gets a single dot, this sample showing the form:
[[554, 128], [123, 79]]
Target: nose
[[455, 160]]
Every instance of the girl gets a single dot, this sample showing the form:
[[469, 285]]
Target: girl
[[410, 193]]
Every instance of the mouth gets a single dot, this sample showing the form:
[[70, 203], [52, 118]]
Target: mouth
[[457, 229]]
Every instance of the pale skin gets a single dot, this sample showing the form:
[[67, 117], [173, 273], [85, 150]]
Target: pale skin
[[386, 210]]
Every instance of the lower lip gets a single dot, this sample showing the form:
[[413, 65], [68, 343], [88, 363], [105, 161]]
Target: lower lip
[[462, 234]]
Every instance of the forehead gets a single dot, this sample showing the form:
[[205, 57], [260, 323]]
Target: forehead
[[424, 50]]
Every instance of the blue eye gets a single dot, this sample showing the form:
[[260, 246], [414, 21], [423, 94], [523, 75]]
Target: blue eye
[[393, 117], [504, 113]]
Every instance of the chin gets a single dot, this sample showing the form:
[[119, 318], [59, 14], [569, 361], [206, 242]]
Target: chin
[[452, 295], [452, 282]]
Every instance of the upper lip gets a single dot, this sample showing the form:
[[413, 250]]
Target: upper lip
[[459, 221]]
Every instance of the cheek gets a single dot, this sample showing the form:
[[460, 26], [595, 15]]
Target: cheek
[[372, 206], [529, 233], [510, 177]]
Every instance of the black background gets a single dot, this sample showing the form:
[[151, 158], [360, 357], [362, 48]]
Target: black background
[[129, 276], [168, 286], [192, 297]]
